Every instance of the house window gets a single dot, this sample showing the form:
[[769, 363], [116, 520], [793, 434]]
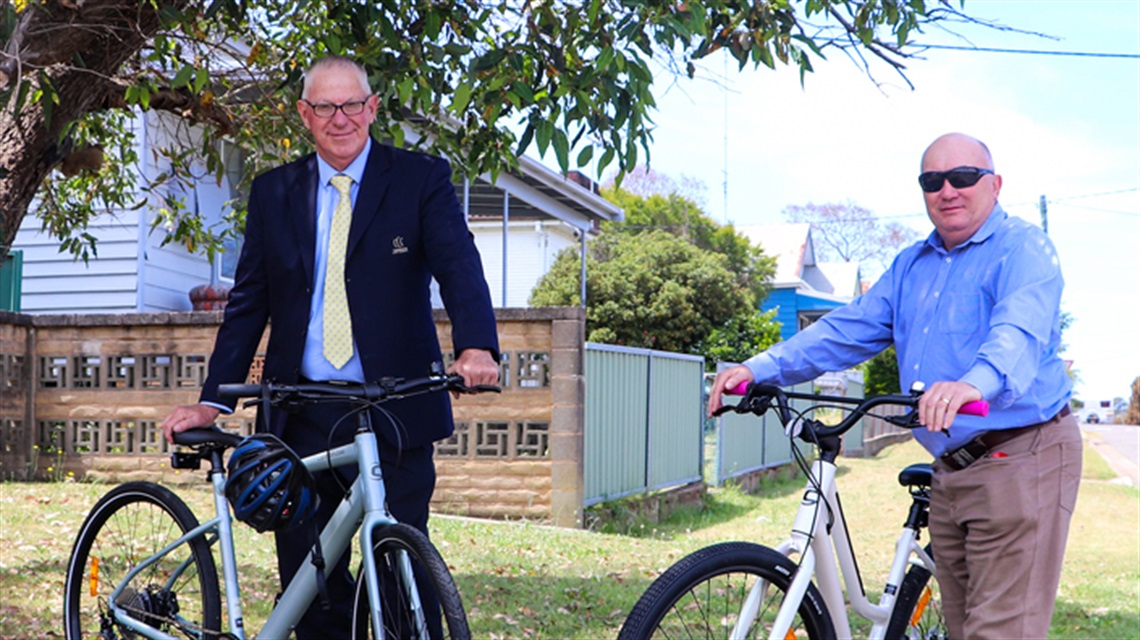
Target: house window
[[808, 318], [234, 159]]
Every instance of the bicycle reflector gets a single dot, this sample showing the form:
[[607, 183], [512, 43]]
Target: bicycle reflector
[[93, 580], [268, 486]]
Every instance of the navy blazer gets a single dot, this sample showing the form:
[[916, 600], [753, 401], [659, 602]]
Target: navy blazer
[[407, 227]]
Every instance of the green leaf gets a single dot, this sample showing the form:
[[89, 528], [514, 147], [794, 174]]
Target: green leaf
[[461, 98], [562, 150], [525, 140], [543, 133], [605, 160], [182, 78], [202, 78], [602, 62], [524, 92], [585, 155], [488, 60], [396, 132], [457, 50], [404, 89]]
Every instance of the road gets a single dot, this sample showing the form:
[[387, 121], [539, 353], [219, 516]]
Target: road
[[1119, 444]]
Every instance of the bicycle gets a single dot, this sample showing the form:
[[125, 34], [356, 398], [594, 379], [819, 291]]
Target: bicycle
[[743, 590], [143, 566]]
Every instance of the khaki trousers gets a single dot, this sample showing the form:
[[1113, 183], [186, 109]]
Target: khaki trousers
[[998, 528]]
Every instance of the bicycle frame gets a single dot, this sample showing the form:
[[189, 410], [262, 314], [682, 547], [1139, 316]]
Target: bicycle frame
[[820, 536], [363, 507]]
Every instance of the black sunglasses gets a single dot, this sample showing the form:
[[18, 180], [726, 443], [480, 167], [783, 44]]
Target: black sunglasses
[[959, 177]]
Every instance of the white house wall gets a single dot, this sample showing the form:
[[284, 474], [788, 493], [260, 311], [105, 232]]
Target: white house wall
[[169, 272], [531, 250], [110, 281], [53, 281]]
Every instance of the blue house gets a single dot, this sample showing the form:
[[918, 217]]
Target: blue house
[[803, 289]]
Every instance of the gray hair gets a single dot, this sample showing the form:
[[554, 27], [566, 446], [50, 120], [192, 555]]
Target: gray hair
[[329, 63]]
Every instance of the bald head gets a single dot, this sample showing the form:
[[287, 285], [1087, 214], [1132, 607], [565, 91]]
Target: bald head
[[960, 140]]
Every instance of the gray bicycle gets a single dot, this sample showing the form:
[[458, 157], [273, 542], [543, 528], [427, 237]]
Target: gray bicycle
[[143, 566]]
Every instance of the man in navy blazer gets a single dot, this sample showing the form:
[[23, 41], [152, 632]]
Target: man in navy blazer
[[406, 227]]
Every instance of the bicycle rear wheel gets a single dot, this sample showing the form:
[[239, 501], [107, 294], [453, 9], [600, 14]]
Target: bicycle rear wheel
[[701, 597], [918, 609], [433, 582], [178, 594]]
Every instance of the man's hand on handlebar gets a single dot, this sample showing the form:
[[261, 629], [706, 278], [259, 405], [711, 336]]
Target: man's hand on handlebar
[[477, 366], [191, 416], [728, 379], [941, 402]]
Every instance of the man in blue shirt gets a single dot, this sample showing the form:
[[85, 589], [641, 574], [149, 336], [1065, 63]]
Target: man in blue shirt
[[974, 313]]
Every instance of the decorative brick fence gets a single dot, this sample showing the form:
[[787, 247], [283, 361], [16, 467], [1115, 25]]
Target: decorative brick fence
[[83, 395]]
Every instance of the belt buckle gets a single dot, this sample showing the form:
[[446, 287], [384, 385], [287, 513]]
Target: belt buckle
[[965, 455]]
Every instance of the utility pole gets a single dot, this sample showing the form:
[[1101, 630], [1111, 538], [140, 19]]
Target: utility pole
[[1044, 215]]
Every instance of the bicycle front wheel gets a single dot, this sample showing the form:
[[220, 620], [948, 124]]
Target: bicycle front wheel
[[918, 609], [178, 594], [702, 595], [442, 615]]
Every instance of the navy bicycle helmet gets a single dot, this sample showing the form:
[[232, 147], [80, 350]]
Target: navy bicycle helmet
[[268, 486]]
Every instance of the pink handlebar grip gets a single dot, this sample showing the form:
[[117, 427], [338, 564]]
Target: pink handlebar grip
[[975, 408], [738, 390]]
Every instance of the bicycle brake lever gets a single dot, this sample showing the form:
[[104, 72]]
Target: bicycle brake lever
[[909, 420]]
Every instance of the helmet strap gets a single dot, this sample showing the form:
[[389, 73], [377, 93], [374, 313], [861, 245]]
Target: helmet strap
[[318, 561]]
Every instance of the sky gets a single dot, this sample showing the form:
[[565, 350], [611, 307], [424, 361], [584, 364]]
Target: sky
[[1063, 127]]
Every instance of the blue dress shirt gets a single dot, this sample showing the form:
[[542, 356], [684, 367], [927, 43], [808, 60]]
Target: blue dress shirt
[[986, 312], [314, 365]]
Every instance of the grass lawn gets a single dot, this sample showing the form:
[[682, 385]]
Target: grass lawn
[[525, 580]]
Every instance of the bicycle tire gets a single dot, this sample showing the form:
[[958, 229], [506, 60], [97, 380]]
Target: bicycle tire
[[699, 596], [430, 572], [131, 523], [918, 610]]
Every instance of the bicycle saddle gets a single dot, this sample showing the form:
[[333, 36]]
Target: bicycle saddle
[[916, 475], [211, 436]]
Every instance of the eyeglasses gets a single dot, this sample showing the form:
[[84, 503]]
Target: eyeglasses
[[327, 110], [959, 177]]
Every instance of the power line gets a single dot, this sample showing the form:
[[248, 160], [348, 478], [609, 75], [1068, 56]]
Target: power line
[[1096, 195], [1100, 210], [1033, 52]]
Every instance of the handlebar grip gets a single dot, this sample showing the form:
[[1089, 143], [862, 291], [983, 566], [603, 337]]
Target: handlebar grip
[[239, 390], [739, 389], [975, 408]]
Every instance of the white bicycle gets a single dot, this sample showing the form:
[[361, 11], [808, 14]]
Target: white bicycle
[[143, 567], [743, 590]]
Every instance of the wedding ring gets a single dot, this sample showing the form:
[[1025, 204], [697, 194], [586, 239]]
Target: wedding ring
[[946, 400]]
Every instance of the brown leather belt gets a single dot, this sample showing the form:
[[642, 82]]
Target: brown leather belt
[[977, 448]]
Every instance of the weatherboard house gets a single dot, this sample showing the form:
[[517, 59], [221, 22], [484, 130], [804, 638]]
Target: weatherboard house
[[803, 289], [520, 223]]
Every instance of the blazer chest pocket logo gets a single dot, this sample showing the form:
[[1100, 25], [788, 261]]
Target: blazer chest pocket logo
[[398, 246]]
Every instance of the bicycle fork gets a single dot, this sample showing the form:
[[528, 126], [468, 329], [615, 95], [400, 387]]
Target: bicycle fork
[[807, 525], [376, 517]]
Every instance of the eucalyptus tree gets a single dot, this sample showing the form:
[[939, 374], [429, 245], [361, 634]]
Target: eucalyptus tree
[[478, 80]]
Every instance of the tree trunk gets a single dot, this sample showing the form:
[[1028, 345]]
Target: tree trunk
[[54, 38]]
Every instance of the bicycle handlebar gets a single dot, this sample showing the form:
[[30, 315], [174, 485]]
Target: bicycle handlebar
[[759, 397], [362, 392]]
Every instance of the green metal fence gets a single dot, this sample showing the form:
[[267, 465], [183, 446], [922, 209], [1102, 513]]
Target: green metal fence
[[643, 421], [746, 443], [11, 272]]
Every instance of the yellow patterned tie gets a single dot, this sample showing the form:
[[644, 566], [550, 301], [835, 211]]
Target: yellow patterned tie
[[338, 322]]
